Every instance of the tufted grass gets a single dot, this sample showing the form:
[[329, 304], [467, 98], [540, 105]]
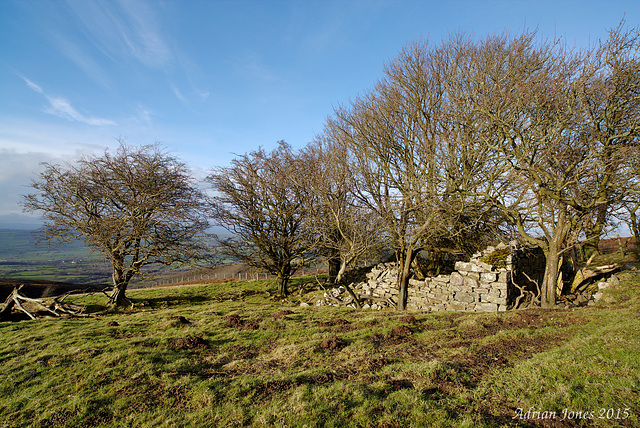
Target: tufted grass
[[242, 360]]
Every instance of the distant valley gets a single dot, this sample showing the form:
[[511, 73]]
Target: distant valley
[[21, 256]]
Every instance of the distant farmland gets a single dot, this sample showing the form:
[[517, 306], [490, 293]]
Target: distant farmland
[[22, 257]]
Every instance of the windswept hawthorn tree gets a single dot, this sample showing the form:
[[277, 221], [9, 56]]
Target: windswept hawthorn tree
[[415, 167], [348, 232], [263, 199], [138, 206]]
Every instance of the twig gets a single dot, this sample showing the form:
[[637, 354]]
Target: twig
[[319, 283], [23, 309]]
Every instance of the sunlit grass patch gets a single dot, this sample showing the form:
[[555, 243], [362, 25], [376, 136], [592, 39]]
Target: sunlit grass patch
[[213, 356]]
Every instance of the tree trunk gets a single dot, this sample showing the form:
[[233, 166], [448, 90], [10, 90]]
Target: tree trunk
[[341, 271], [283, 282], [635, 229], [593, 233], [334, 269], [403, 277], [7, 306], [118, 297], [120, 283], [590, 246], [552, 254], [356, 301], [550, 280]]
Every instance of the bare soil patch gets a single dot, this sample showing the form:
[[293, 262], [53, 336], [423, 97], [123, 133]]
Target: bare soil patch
[[402, 330], [189, 343], [394, 338], [497, 355], [234, 321], [410, 319], [334, 343], [273, 387]]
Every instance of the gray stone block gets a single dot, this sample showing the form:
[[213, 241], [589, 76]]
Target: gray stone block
[[474, 275], [495, 299], [463, 266], [488, 276], [464, 297], [486, 307], [499, 285], [456, 279], [470, 282], [481, 267]]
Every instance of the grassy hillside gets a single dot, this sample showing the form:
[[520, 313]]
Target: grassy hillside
[[228, 355]]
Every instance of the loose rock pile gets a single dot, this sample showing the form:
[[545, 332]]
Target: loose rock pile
[[589, 298]]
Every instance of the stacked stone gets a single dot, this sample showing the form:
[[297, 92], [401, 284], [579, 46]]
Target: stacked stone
[[473, 286], [381, 282]]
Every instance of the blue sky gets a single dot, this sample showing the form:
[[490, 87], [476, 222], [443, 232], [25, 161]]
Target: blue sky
[[208, 79]]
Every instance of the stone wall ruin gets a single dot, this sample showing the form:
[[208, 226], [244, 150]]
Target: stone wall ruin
[[482, 284]]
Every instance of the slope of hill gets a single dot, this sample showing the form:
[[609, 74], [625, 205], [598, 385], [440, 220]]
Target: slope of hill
[[229, 355]]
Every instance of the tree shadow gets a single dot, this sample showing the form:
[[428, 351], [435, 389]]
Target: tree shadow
[[168, 301]]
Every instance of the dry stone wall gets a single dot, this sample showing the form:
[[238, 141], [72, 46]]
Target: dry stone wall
[[474, 286], [485, 283]]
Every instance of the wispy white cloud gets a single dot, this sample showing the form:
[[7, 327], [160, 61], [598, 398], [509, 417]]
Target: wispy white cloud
[[143, 116], [178, 94], [62, 108], [25, 144], [33, 86], [191, 95], [124, 29]]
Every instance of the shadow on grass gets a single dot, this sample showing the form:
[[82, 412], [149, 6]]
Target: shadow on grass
[[166, 301]]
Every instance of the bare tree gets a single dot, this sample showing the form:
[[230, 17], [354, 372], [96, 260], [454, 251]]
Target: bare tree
[[137, 206], [611, 112], [544, 138], [347, 230], [263, 200], [411, 171]]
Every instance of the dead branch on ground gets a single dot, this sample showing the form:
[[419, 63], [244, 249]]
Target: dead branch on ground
[[54, 306]]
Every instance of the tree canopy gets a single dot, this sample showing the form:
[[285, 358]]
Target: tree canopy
[[264, 200], [138, 206]]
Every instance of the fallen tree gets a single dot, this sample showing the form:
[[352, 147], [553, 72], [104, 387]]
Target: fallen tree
[[35, 308]]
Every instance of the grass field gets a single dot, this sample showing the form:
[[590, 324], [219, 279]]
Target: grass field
[[239, 358]]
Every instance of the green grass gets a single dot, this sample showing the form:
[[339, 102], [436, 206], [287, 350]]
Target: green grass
[[318, 367]]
